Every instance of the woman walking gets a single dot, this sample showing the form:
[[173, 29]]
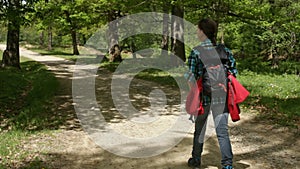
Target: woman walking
[[207, 32]]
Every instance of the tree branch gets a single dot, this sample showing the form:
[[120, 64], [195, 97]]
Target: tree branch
[[228, 12]]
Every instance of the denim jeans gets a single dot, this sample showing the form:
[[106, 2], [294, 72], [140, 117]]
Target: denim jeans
[[220, 117]]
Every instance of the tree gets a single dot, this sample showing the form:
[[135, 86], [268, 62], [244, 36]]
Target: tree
[[165, 30], [73, 30], [13, 11], [112, 10], [71, 17], [113, 37], [43, 19], [177, 30]]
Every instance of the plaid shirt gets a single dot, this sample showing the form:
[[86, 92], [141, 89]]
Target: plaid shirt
[[196, 70]]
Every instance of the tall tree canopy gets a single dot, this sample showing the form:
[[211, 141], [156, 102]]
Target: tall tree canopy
[[267, 28], [13, 11]]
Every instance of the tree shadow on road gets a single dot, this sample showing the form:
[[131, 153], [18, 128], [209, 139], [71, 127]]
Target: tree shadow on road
[[255, 144]]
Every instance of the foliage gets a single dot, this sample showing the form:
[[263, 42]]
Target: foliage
[[263, 34], [263, 67], [251, 28], [3, 32], [254, 27], [141, 41], [8, 9]]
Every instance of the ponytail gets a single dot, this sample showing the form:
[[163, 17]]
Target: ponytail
[[210, 29]]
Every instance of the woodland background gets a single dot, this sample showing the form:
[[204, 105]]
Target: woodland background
[[256, 30]]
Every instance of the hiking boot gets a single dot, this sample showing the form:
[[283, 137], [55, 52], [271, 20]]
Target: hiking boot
[[194, 162], [227, 167]]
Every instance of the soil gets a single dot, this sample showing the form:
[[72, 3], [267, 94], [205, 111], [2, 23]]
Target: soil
[[256, 143]]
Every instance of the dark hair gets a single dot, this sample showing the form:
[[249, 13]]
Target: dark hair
[[210, 29]]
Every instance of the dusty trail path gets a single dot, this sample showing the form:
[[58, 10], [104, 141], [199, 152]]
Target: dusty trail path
[[256, 144]]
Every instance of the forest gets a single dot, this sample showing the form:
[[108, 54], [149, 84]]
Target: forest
[[41, 41], [263, 30]]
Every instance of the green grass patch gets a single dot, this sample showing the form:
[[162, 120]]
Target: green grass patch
[[62, 52], [25, 110], [172, 77], [25, 96], [13, 154], [66, 53], [10, 152], [277, 97], [111, 66], [55, 51], [150, 69], [158, 76]]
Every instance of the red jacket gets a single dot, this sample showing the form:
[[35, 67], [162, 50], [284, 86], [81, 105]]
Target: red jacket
[[193, 104], [237, 93]]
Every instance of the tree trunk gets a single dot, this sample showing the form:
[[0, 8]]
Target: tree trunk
[[113, 30], [172, 29], [83, 39], [165, 37], [178, 37], [133, 48], [11, 56], [73, 33], [74, 42], [49, 38], [273, 49], [113, 37], [42, 39], [115, 54]]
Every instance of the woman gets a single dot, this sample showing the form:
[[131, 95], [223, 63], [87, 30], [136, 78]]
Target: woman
[[206, 32]]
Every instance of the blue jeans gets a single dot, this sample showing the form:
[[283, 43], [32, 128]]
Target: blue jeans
[[220, 117]]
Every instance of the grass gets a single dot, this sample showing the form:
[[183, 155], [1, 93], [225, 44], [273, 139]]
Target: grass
[[275, 91], [24, 94], [66, 53], [158, 76], [62, 52], [277, 97], [150, 69], [25, 97], [14, 155]]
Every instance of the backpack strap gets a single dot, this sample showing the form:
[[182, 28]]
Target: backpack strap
[[209, 55], [223, 54]]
